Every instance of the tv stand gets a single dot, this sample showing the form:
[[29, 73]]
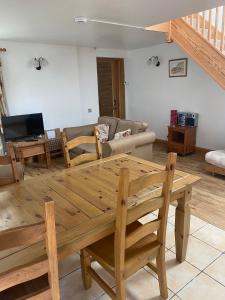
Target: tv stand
[[31, 140], [25, 149]]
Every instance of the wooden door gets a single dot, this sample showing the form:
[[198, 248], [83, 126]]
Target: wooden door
[[111, 87]]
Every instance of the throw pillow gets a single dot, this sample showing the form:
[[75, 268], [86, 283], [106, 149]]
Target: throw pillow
[[122, 134], [103, 130]]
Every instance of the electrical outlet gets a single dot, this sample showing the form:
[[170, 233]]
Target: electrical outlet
[[89, 110]]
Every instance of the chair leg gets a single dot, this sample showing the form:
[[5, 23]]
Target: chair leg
[[120, 289], [85, 264], [161, 266]]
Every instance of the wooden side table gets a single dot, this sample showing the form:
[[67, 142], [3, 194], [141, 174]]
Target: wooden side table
[[30, 149], [181, 139]]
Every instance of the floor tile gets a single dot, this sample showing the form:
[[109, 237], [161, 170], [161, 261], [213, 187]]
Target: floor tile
[[148, 218], [178, 274], [203, 287], [217, 269], [141, 286], [171, 213], [71, 287], [195, 223], [176, 298], [69, 264], [200, 254], [212, 236]]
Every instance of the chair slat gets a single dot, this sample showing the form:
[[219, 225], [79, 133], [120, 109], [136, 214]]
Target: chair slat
[[69, 145], [27, 235], [81, 140], [148, 206], [22, 236], [22, 274], [145, 181], [85, 157], [142, 232]]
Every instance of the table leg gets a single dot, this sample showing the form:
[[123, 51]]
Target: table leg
[[47, 153], [182, 224]]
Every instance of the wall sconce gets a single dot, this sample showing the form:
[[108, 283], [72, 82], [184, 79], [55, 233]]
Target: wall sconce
[[154, 60], [39, 63]]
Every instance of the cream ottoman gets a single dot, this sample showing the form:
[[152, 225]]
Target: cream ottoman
[[215, 162]]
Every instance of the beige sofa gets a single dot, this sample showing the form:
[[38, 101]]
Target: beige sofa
[[139, 143]]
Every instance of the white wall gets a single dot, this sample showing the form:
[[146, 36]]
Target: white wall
[[152, 94], [88, 84], [54, 90], [63, 91]]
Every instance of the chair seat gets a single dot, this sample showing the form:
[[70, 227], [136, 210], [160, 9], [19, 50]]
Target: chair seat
[[216, 158], [136, 257], [6, 171]]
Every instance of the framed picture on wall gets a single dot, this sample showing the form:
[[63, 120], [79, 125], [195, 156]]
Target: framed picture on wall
[[178, 67]]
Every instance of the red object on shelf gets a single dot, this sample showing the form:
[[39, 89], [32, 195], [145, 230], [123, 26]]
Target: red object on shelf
[[173, 117]]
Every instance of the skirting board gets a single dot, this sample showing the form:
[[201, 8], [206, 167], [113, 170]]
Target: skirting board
[[197, 149]]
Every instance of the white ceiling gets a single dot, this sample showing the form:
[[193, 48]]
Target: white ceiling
[[51, 21]]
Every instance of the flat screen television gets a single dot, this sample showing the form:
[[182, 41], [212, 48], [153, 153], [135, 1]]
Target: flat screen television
[[22, 127]]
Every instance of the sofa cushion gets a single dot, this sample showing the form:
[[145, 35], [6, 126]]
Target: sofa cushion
[[135, 126], [103, 131], [122, 134], [111, 122]]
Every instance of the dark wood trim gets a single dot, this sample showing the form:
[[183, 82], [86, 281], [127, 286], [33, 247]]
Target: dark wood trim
[[199, 150], [118, 81]]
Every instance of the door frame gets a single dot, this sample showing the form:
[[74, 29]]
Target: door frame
[[118, 76]]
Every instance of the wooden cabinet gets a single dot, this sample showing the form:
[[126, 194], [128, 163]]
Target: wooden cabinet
[[181, 139]]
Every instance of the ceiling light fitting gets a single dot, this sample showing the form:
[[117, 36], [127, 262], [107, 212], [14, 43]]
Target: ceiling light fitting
[[85, 20]]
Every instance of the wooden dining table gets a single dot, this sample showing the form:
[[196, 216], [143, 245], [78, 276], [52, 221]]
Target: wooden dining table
[[85, 205]]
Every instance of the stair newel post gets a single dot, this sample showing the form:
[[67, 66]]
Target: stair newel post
[[223, 30], [216, 26], [210, 26]]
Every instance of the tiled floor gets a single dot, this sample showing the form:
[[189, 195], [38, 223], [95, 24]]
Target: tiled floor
[[201, 276]]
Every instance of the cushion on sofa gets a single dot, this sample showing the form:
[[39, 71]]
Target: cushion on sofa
[[111, 122], [135, 126], [103, 131], [122, 134]]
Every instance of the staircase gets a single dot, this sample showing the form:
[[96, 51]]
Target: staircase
[[201, 36]]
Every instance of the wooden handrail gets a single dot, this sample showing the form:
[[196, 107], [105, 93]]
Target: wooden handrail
[[203, 21]]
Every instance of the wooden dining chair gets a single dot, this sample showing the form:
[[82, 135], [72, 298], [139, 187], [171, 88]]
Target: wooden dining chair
[[10, 170], [78, 141], [133, 245], [13, 281]]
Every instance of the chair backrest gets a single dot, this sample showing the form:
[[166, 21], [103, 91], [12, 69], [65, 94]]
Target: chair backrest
[[125, 216], [10, 159], [69, 145], [28, 235], [55, 131]]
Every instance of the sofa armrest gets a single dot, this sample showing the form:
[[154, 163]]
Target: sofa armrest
[[128, 144], [73, 132]]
